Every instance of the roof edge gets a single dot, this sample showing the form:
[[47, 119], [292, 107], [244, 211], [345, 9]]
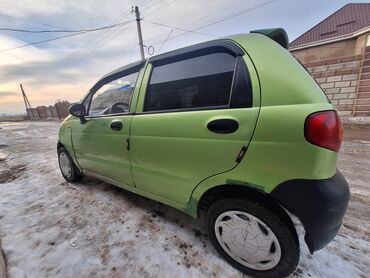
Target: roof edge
[[321, 22], [331, 40]]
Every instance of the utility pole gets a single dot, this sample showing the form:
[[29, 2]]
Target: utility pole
[[137, 13]]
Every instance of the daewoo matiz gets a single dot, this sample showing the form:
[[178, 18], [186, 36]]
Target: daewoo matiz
[[233, 131]]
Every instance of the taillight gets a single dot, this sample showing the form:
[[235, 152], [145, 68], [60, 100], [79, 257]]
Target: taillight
[[324, 129]]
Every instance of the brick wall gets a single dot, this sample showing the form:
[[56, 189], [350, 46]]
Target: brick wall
[[362, 101], [346, 82], [57, 111]]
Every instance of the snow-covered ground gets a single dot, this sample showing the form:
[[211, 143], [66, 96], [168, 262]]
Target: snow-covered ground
[[49, 228]]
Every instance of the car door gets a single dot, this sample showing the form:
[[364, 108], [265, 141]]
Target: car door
[[195, 118], [101, 144]]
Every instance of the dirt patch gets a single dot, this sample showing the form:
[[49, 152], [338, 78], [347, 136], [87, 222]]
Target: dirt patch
[[11, 174]]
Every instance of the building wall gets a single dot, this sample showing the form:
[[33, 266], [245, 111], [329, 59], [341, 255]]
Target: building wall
[[338, 78], [332, 50], [326, 51], [342, 69]]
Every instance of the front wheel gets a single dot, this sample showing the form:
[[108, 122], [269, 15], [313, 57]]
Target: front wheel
[[67, 167], [252, 238]]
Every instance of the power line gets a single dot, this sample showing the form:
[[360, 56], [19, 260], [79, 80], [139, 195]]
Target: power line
[[222, 19], [97, 39], [203, 18], [181, 29], [94, 45], [63, 31], [52, 39], [38, 42], [237, 14], [161, 8], [165, 40], [31, 21], [89, 51], [144, 3]]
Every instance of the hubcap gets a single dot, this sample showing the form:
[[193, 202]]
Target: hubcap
[[65, 165], [247, 240]]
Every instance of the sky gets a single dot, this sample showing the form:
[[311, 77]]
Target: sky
[[65, 69]]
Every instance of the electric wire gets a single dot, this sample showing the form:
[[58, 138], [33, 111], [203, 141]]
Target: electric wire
[[63, 31], [224, 18], [97, 39], [181, 29], [165, 41], [159, 9]]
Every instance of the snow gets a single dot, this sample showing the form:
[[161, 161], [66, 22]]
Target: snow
[[359, 121], [49, 227]]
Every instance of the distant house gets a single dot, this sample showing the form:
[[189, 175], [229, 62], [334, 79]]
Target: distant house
[[337, 53]]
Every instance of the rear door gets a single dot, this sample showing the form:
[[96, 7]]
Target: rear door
[[195, 116], [101, 143]]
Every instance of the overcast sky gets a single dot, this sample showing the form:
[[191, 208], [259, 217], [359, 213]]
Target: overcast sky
[[65, 69]]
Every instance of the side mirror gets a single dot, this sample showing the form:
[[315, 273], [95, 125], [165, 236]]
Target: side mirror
[[78, 110]]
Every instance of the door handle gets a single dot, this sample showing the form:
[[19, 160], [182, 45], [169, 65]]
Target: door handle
[[116, 125], [223, 126]]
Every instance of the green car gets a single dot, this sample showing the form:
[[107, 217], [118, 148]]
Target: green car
[[232, 131]]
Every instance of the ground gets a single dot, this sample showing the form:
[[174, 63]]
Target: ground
[[50, 228]]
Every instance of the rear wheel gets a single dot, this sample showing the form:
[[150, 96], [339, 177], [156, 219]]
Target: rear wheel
[[252, 238], [69, 170]]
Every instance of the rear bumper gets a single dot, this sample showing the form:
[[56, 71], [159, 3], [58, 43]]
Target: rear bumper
[[319, 204]]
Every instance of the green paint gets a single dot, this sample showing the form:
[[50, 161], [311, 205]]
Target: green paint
[[237, 182], [174, 159]]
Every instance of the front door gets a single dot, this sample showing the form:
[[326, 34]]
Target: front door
[[101, 144], [197, 117]]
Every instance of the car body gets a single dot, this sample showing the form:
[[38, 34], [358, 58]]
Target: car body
[[236, 118]]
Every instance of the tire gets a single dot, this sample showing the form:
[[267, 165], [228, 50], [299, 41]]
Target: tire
[[67, 167], [261, 243]]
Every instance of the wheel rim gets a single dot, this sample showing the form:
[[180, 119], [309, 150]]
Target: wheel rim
[[65, 165], [248, 240]]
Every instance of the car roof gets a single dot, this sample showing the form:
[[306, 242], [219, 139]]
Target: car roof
[[277, 34]]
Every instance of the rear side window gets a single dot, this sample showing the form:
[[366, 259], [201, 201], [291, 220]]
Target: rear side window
[[203, 81]]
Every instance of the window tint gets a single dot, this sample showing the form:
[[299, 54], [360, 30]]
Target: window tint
[[203, 81], [242, 87], [114, 97]]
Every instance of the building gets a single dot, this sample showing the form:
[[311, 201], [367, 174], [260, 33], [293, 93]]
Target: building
[[337, 54], [57, 111]]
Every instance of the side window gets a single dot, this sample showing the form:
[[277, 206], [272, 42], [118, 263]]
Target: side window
[[86, 102], [203, 81], [114, 97]]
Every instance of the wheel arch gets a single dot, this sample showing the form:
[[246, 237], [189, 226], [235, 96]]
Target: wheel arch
[[244, 192], [71, 154], [60, 145]]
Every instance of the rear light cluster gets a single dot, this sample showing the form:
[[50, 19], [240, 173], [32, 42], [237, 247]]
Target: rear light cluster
[[324, 129]]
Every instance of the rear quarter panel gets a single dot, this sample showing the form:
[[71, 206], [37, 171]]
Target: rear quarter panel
[[278, 150]]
